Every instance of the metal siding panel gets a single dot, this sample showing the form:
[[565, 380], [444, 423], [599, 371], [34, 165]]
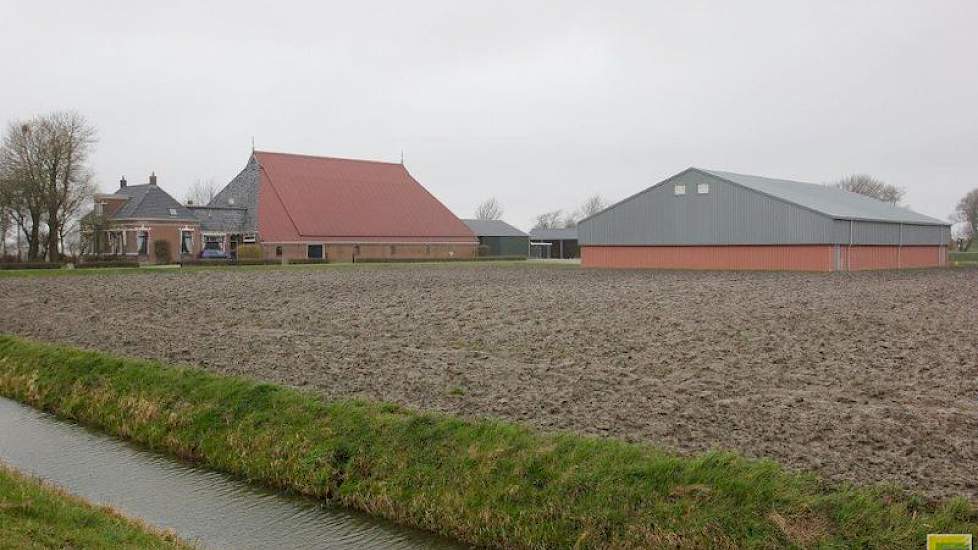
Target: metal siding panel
[[728, 214], [862, 258]]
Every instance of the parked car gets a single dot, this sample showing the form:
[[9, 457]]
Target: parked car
[[213, 254]]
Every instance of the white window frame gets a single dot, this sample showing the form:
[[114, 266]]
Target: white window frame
[[703, 189], [679, 189]]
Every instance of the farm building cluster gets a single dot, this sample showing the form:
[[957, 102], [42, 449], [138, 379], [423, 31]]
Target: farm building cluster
[[307, 207]]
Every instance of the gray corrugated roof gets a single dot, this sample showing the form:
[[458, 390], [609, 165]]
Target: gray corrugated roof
[[493, 228], [150, 202], [554, 234], [227, 220], [828, 200]]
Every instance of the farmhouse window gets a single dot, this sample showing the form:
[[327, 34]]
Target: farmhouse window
[[186, 242], [314, 251], [703, 188], [278, 251], [142, 242], [679, 189], [213, 242]]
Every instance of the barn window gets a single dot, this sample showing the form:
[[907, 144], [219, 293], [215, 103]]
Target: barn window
[[703, 188], [679, 189], [278, 251]]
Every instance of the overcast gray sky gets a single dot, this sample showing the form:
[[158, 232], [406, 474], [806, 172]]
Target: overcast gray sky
[[538, 103]]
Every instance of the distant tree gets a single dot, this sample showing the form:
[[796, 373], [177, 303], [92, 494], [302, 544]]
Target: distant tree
[[490, 209], [967, 213], [591, 206], [872, 187], [550, 220], [202, 192]]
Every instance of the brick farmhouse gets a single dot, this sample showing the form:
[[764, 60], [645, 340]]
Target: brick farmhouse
[[292, 206]]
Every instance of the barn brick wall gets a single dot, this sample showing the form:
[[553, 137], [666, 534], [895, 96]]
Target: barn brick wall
[[345, 252]]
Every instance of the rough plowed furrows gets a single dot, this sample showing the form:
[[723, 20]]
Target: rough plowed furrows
[[867, 377]]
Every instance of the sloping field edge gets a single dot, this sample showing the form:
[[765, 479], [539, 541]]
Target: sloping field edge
[[483, 482]]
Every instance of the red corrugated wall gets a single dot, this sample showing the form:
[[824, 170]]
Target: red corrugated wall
[[779, 258], [858, 258], [771, 258]]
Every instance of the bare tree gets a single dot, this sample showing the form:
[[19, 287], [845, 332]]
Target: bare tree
[[5, 224], [591, 206], [42, 162], [21, 197], [549, 220], [872, 187], [967, 213], [202, 192], [489, 209], [71, 214]]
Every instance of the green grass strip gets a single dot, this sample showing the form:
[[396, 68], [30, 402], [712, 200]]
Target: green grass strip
[[34, 514], [483, 482]]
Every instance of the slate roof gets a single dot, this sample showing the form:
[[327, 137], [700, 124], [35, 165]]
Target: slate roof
[[830, 201], [225, 220], [149, 202], [568, 234], [306, 197], [240, 193], [493, 228]]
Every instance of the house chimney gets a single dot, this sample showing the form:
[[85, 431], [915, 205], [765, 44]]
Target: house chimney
[[152, 178], [122, 183]]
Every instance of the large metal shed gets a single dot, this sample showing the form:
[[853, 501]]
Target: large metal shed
[[707, 219]]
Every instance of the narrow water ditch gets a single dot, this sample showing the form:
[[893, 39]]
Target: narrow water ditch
[[201, 506]]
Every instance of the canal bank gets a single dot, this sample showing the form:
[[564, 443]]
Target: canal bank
[[483, 482], [208, 509]]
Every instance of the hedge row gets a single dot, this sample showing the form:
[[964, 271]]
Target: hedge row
[[32, 265], [106, 263], [429, 260]]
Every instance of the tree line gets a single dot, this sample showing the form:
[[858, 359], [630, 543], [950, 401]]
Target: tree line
[[45, 181], [491, 209]]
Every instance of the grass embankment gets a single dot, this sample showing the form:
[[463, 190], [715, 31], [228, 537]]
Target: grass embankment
[[964, 258], [483, 482], [34, 514]]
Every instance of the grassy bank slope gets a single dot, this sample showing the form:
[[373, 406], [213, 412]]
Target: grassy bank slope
[[484, 482], [37, 515]]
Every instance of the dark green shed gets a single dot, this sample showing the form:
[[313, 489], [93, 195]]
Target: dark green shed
[[498, 238]]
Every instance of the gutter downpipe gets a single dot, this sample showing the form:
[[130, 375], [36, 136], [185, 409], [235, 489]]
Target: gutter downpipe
[[849, 249], [900, 247]]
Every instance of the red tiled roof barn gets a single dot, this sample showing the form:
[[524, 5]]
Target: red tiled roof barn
[[308, 206]]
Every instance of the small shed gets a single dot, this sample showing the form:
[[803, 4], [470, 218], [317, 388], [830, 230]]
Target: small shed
[[562, 242], [498, 238]]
